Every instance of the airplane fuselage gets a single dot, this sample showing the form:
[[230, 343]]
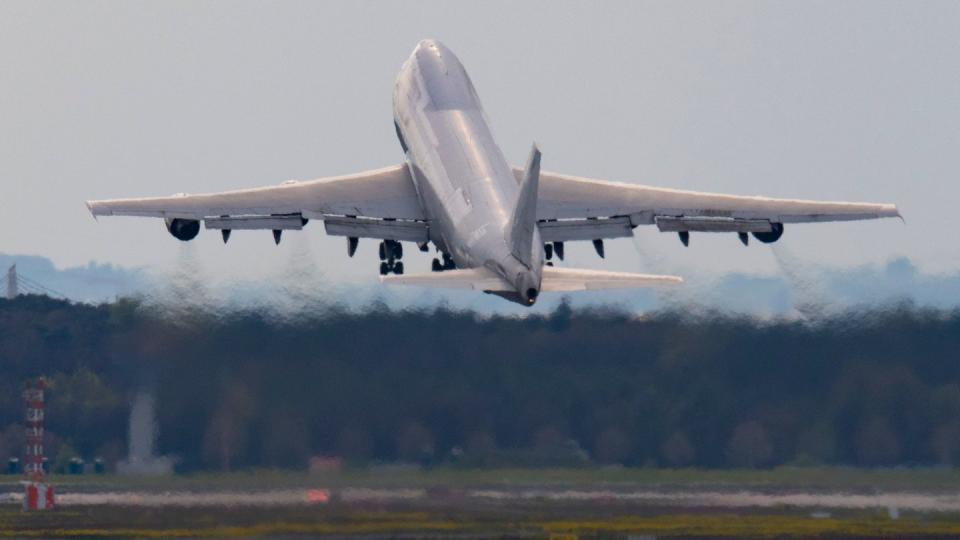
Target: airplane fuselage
[[465, 186]]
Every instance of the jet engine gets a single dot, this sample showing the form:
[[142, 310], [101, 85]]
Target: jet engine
[[774, 234], [183, 229]]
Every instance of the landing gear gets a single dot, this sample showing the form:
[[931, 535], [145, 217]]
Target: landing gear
[[391, 252], [447, 264], [548, 251]]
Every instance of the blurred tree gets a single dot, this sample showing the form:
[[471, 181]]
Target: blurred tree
[[945, 443], [677, 451], [749, 446], [548, 438], [414, 442], [285, 441], [481, 448], [877, 443], [679, 386], [226, 437], [12, 439], [87, 410], [612, 446], [816, 445], [354, 444]]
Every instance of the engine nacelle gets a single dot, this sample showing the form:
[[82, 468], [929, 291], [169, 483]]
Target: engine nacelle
[[776, 231], [183, 229]]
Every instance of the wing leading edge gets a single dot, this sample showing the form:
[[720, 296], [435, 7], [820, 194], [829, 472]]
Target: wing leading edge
[[575, 208], [386, 193]]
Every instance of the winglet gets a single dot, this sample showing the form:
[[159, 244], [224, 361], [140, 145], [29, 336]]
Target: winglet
[[524, 220]]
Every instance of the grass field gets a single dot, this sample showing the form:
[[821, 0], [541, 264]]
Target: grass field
[[926, 479], [141, 522]]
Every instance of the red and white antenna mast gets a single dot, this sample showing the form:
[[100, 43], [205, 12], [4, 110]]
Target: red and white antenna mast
[[38, 495]]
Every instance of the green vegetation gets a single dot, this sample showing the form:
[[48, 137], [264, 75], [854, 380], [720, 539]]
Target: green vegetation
[[447, 389], [815, 479], [232, 523]]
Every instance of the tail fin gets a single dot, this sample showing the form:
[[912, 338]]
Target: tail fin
[[524, 220]]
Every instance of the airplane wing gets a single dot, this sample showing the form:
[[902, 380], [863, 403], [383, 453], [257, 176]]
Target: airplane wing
[[574, 208], [555, 279], [382, 203]]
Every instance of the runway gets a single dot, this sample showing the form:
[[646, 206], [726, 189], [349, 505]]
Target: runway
[[528, 496]]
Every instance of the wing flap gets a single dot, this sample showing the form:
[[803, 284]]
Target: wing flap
[[585, 229], [409, 231]]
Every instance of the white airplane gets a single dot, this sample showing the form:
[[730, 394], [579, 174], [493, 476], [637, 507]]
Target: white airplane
[[496, 227]]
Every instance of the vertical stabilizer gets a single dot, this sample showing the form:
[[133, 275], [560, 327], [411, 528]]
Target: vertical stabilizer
[[524, 220]]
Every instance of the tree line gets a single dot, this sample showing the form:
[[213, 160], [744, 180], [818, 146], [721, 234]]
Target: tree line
[[872, 387]]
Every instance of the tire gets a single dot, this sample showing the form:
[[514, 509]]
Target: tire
[[437, 267], [383, 251], [398, 250], [383, 269], [398, 269]]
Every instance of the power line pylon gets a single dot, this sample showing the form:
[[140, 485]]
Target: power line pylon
[[13, 286]]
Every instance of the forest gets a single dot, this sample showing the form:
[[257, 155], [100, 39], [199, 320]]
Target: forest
[[878, 386]]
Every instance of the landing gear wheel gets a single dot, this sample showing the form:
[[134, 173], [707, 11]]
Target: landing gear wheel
[[397, 250], [436, 266], [548, 251], [398, 269], [384, 269], [383, 251], [448, 263]]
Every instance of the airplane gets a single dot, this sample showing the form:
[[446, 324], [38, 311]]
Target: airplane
[[496, 228]]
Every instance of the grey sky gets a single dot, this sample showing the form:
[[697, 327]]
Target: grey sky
[[831, 100]]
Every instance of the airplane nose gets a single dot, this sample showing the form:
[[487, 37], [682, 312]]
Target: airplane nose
[[426, 44]]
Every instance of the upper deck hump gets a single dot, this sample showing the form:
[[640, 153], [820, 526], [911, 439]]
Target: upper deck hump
[[444, 77]]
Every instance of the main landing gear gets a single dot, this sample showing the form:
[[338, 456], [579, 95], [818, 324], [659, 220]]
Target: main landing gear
[[391, 252], [447, 264]]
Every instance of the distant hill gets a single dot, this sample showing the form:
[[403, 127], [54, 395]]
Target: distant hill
[[91, 283]]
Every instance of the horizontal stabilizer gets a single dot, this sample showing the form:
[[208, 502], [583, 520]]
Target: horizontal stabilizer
[[579, 279], [554, 280], [478, 279]]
